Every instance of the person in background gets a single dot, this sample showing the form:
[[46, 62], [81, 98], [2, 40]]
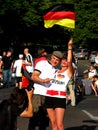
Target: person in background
[[28, 61], [4, 53], [41, 55], [41, 52], [7, 68], [96, 62], [51, 83], [20, 104], [1, 74], [1, 63], [71, 84], [17, 69], [95, 85], [91, 72], [87, 85]]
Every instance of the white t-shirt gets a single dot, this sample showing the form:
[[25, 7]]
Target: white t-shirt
[[46, 71], [18, 65], [92, 73]]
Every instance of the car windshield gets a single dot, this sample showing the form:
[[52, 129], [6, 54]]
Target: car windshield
[[94, 53], [79, 50]]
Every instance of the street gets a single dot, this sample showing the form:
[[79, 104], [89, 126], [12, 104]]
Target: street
[[75, 117], [82, 117]]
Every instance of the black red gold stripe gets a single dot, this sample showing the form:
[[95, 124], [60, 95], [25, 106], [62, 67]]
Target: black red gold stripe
[[62, 14]]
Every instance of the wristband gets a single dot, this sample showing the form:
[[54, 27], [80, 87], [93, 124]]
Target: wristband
[[69, 49]]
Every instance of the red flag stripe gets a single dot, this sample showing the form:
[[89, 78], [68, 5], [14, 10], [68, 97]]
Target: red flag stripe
[[59, 15]]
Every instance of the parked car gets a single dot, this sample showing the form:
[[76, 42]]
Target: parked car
[[92, 56], [82, 54]]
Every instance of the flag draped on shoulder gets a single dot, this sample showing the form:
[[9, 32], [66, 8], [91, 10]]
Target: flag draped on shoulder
[[60, 14]]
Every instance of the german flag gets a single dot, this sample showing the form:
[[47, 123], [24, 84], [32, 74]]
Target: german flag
[[60, 14]]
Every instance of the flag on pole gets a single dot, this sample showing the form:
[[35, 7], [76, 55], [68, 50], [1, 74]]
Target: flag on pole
[[60, 14]]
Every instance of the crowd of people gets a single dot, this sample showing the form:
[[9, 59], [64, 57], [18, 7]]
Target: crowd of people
[[48, 78], [89, 81]]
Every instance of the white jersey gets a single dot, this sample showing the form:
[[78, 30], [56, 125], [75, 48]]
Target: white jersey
[[46, 71], [58, 85], [17, 66], [92, 73]]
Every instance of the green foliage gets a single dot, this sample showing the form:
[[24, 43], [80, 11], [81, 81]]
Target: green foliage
[[86, 22], [22, 21]]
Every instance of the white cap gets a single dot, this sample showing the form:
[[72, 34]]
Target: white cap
[[20, 55], [0, 57]]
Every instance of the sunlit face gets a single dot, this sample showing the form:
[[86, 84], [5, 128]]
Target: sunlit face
[[9, 53], [91, 67], [26, 50], [54, 60], [64, 63]]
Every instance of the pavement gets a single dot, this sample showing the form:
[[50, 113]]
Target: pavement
[[82, 117], [79, 117]]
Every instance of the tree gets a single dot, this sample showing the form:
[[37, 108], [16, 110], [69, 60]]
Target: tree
[[86, 22], [22, 21]]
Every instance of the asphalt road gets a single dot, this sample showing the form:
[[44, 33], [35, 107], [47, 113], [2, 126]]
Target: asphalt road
[[82, 117]]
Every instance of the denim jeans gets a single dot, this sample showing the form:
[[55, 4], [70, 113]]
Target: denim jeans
[[7, 77]]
